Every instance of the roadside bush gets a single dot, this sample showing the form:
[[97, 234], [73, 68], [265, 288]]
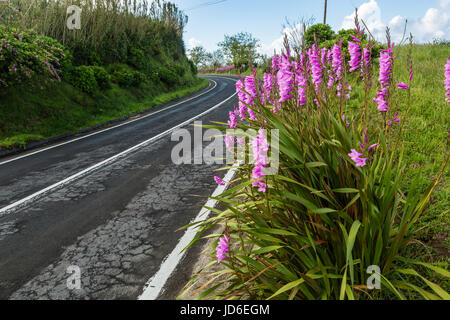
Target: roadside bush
[[344, 36], [168, 76], [24, 54], [193, 67], [178, 69], [136, 58], [102, 77], [128, 78], [83, 77], [318, 33]]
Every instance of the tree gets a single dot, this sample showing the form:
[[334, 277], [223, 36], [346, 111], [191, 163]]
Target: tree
[[318, 33], [198, 56], [216, 59], [240, 48]]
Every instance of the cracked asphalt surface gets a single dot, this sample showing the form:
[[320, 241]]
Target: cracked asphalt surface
[[116, 224]]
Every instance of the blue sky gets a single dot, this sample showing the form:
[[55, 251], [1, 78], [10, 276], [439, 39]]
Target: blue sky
[[264, 18]]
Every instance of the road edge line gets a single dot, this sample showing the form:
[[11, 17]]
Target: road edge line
[[156, 283]]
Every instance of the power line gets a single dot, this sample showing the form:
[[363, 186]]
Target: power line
[[206, 4]]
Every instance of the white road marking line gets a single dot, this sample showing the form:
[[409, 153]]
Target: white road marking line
[[107, 129], [156, 283], [21, 203]]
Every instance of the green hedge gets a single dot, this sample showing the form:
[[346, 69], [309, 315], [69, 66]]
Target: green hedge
[[24, 54]]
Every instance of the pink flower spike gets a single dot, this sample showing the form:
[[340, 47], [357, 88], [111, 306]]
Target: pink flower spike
[[222, 248], [361, 145], [396, 118], [373, 146], [219, 181], [402, 86], [447, 80]]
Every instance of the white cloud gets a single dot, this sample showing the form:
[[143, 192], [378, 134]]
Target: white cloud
[[444, 4], [278, 44], [370, 12], [434, 24], [192, 42]]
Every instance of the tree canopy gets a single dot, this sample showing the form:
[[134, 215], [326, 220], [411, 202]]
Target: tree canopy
[[240, 48]]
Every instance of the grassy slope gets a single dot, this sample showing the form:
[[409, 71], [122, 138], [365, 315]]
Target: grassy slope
[[31, 114]]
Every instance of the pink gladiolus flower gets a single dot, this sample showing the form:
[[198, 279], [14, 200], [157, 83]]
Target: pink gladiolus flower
[[324, 56], [302, 83], [366, 54], [385, 68], [373, 146], [355, 55], [268, 83], [222, 248], [356, 157], [232, 123], [385, 77], [250, 87], [242, 98], [347, 124], [402, 86], [316, 67], [229, 142], [447, 80], [275, 64], [260, 146], [219, 181], [285, 79], [338, 62]]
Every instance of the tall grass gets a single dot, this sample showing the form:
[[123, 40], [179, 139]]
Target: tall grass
[[106, 24]]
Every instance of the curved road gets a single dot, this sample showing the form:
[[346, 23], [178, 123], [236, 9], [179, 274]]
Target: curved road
[[108, 203]]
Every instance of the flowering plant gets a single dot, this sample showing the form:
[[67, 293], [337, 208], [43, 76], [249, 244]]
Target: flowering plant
[[24, 54], [335, 208]]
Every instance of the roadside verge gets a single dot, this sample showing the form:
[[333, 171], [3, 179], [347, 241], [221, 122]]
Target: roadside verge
[[104, 125]]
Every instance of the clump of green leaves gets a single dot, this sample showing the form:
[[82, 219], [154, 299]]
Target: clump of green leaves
[[324, 222]]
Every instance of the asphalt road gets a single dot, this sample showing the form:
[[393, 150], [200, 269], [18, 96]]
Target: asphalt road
[[117, 222]]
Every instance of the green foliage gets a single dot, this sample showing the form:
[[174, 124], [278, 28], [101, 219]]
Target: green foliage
[[32, 114], [193, 67], [83, 77], [344, 36], [168, 76], [19, 141], [128, 78], [24, 54], [318, 33], [323, 221], [178, 69], [136, 58], [198, 56], [240, 48], [102, 77]]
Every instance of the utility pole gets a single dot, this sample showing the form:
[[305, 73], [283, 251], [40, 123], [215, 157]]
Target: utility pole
[[325, 13]]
